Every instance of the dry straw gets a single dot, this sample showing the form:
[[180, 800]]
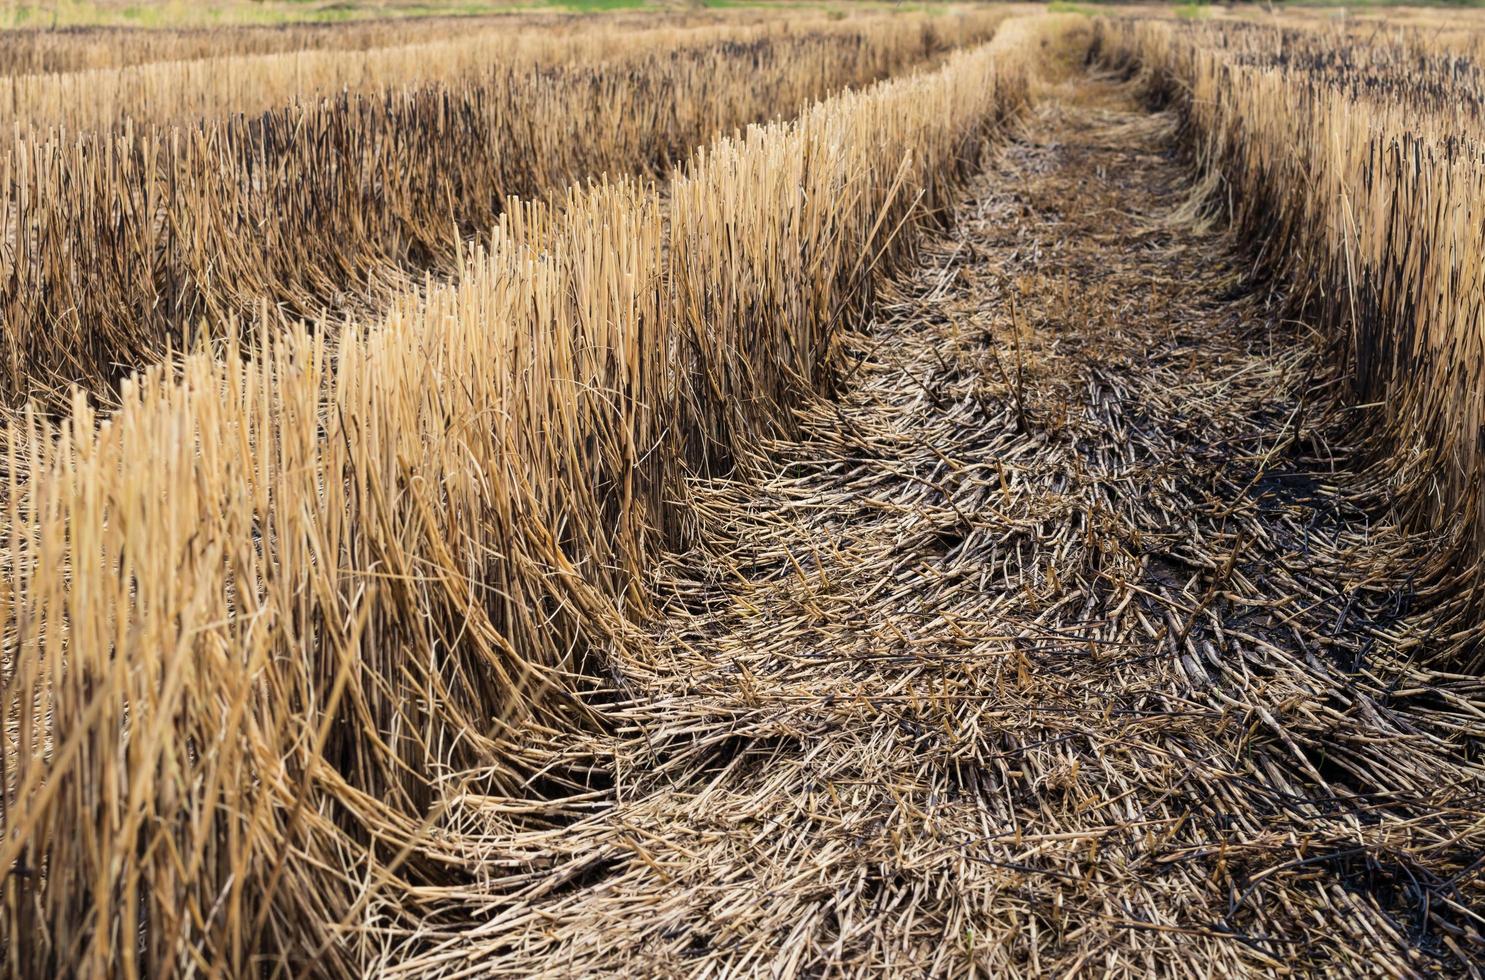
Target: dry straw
[[1356, 160], [39, 50], [124, 243], [189, 91], [255, 615]]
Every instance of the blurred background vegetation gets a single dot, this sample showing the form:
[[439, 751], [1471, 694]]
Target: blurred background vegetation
[[63, 14], [206, 13]]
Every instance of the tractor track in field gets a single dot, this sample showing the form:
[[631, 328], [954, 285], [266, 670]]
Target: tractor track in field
[[1074, 636]]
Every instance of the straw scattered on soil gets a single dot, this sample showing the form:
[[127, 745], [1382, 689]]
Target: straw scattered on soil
[[1077, 633]]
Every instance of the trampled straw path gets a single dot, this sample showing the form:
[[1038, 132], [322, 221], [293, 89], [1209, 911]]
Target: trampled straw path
[[1076, 634]]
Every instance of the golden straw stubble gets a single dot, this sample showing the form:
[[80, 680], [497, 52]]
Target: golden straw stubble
[[257, 615]]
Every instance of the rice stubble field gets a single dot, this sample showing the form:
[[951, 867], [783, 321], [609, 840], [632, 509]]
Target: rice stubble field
[[976, 493]]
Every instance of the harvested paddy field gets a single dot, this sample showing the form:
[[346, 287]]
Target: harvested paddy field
[[1016, 517], [1074, 634]]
